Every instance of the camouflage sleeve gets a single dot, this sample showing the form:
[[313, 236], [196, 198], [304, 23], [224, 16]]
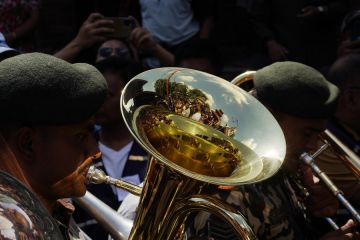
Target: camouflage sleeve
[[272, 210]]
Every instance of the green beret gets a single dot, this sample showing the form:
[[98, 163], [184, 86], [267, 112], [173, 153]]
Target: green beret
[[296, 89], [37, 88]]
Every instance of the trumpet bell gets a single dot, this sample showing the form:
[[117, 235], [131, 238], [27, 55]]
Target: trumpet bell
[[203, 126]]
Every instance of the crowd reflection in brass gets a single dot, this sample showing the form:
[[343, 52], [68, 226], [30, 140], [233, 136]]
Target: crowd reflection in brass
[[175, 128], [22, 216]]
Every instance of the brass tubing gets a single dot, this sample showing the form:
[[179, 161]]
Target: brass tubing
[[310, 160], [97, 176]]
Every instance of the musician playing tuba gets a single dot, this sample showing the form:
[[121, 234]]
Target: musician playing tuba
[[345, 125], [47, 106], [301, 100]]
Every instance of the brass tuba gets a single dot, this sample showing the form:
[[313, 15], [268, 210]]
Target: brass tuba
[[202, 132]]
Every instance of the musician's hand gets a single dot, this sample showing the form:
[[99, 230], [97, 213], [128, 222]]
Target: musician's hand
[[321, 202], [142, 39], [94, 30], [345, 232]]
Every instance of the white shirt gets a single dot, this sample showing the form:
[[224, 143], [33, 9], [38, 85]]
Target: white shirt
[[169, 21], [129, 205], [114, 163]]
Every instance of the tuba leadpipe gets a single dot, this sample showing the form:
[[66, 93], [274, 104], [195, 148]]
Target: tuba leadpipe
[[117, 226], [97, 176]]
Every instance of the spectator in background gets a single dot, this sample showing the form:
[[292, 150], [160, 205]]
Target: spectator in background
[[236, 39], [149, 49], [116, 48], [302, 31], [122, 157], [18, 20], [199, 54], [94, 30], [350, 34], [345, 125], [99, 30], [173, 22]]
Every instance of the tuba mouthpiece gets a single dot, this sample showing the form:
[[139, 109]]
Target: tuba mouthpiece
[[96, 176]]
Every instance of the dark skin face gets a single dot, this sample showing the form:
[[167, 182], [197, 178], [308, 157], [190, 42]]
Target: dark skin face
[[55, 159], [301, 135]]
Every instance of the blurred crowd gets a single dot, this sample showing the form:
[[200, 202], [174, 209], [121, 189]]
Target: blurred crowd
[[239, 34], [122, 38]]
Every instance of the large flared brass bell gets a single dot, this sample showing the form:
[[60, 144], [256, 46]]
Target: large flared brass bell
[[201, 131], [203, 126]]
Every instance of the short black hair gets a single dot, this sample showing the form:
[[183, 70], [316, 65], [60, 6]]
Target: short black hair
[[199, 48], [126, 68]]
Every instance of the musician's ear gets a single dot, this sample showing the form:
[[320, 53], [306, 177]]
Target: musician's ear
[[23, 141]]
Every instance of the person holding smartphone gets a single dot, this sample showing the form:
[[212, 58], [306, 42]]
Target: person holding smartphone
[[350, 34]]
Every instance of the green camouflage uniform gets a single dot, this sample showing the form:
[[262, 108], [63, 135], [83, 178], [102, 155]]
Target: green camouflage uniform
[[270, 207]]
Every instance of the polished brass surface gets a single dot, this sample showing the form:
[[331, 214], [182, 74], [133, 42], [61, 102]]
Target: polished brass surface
[[116, 225], [310, 160], [345, 154], [202, 131], [216, 103], [97, 176], [243, 78], [22, 214], [195, 146]]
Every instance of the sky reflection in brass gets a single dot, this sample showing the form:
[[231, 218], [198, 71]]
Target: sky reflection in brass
[[197, 113]]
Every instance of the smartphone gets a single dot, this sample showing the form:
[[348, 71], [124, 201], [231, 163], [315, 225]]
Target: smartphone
[[122, 27]]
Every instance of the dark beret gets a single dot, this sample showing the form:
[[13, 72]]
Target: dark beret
[[37, 88], [296, 89]]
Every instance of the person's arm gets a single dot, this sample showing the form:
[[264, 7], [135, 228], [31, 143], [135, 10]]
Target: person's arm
[[25, 28], [260, 18], [143, 41], [204, 13], [94, 30], [206, 27]]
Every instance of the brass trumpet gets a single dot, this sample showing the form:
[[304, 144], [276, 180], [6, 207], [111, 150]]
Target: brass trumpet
[[350, 159], [202, 132]]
